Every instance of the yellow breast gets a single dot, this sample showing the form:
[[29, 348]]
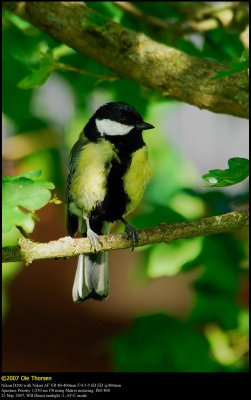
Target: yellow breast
[[136, 178], [88, 186]]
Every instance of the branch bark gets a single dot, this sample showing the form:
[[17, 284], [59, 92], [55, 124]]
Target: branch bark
[[67, 247], [135, 56]]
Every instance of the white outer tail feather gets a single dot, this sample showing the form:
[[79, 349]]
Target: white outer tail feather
[[92, 277]]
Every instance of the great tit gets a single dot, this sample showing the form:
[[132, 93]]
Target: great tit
[[108, 173]]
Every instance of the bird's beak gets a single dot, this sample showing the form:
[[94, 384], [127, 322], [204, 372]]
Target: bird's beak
[[143, 126]]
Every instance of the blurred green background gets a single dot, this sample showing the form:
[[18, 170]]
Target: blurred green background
[[181, 307]]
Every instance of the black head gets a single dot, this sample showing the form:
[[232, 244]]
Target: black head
[[115, 120]]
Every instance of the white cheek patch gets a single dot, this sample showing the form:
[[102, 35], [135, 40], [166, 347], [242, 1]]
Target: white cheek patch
[[112, 128]]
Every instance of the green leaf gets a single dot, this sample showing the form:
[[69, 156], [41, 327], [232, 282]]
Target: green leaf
[[242, 64], [62, 51], [235, 68], [168, 260], [22, 195], [31, 175], [223, 45], [13, 71], [17, 21], [238, 171], [160, 343], [40, 76]]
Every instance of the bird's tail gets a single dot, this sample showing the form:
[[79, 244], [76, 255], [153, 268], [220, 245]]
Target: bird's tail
[[92, 277]]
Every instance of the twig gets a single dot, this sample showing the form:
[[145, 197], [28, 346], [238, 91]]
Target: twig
[[67, 247], [85, 72], [137, 13]]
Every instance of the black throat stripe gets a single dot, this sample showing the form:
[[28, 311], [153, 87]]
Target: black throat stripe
[[114, 204]]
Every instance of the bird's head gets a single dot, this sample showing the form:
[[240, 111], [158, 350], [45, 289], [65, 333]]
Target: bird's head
[[115, 119]]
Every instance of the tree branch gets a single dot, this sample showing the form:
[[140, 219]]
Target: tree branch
[[67, 247], [137, 57]]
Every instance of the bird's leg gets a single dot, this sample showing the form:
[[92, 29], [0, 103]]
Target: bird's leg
[[131, 233], [92, 236]]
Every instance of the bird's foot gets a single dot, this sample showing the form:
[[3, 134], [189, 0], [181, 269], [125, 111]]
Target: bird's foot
[[132, 234], [94, 239], [92, 236]]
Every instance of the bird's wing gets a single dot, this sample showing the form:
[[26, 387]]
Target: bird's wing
[[72, 220]]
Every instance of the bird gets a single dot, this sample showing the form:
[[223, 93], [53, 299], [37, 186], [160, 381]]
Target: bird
[[107, 176]]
